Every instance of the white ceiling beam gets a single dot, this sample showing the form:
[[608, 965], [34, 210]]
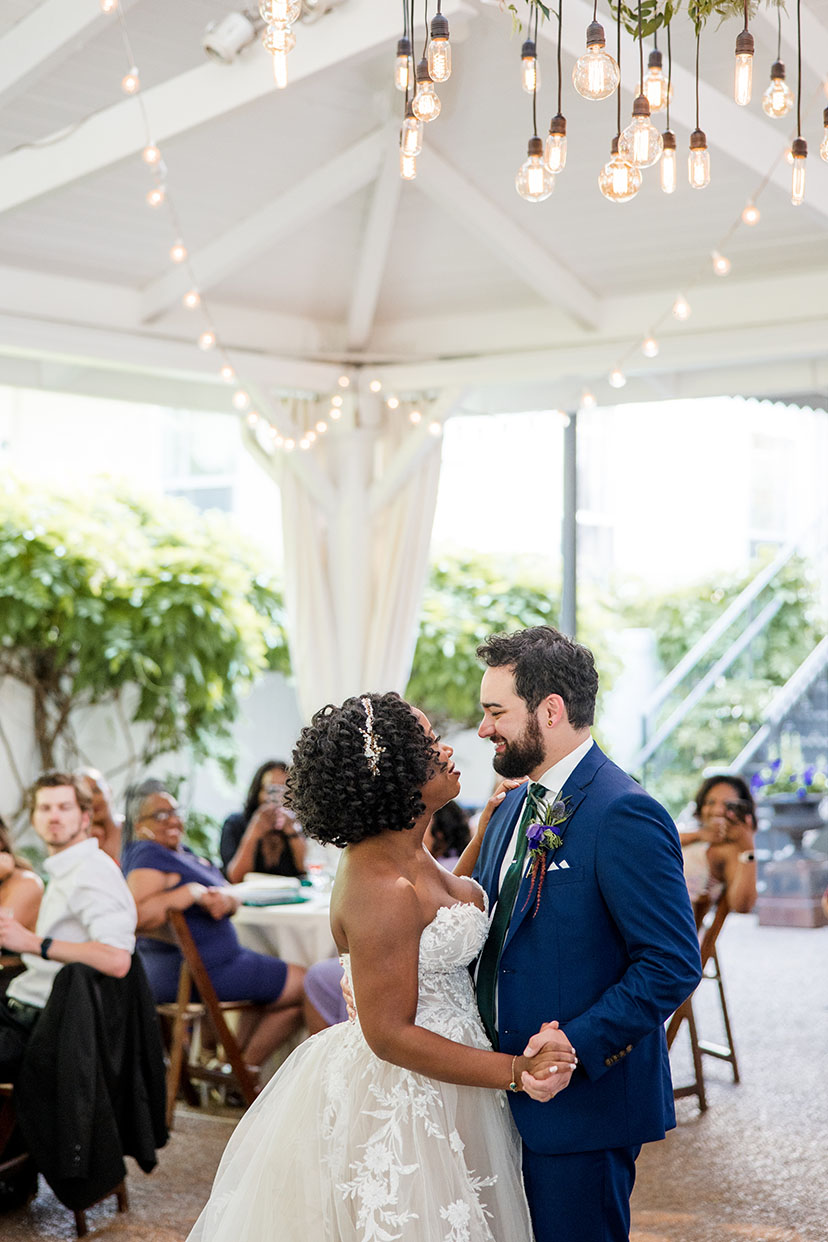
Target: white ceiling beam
[[376, 240], [741, 133], [540, 270], [197, 96], [317, 194]]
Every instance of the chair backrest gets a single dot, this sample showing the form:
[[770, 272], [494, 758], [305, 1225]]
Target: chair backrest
[[710, 919]]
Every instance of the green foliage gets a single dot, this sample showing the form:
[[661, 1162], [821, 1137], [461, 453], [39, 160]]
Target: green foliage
[[102, 592], [202, 834]]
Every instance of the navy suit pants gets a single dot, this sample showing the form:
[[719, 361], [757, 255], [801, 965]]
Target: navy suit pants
[[580, 1196]]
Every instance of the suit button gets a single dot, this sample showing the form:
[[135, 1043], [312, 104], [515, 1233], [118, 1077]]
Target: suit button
[[508, 1032]]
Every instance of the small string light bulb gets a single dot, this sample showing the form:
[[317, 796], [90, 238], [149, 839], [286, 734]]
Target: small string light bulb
[[241, 400], [534, 181], [799, 151], [426, 103], [290, 445], [640, 143], [823, 146], [529, 71], [207, 340], [617, 378], [681, 308], [227, 374], [743, 74], [278, 441], [131, 82], [156, 196], [321, 426], [649, 347], [310, 436], [750, 215], [253, 418], [415, 417], [178, 251], [375, 385], [669, 162], [588, 400], [336, 401], [721, 264], [698, 164], [403, 66], [334, 413], [151, 154], [411, 134], [191, 299], [777, 98], [439, 49], [304, 443], [109, 6], [554, 151], [595, 74], [393, 403], [344, 381], [619, 180], [435, 429], [655, 83]]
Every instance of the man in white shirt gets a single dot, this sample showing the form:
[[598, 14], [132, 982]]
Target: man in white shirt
[[87, 914]]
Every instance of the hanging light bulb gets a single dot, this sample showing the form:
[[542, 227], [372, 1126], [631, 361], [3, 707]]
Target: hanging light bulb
[[554, 151], [178, 252], [408, 166], [439, 49], [681, 308], [595, 75], [529, 71], [151, 154], [156, 196], [109, 6], [698, 165], [207, 340], [588, 400], [227, 374], [279, 39], [534, 181], [799, 150], [655, 83], [191, 299], [743, 75], [285, 11], [411, 134], [750, 214], [778, 98], [619, 180], [669, 162], [640, 142], [404, 66], [130, 82], [426, 103], [721, 264], [823, 146], [617, 378], [649, 347]]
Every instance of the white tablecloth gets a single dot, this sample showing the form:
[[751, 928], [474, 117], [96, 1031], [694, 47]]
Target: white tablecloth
[[300, 933]]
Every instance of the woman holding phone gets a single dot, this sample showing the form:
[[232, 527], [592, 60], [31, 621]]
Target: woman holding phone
[[264, 836], [719, 852]]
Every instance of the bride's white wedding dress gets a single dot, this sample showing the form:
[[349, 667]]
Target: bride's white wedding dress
[[343, 1147]]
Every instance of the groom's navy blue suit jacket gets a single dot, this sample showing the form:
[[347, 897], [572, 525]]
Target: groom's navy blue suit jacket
[[611, 952]]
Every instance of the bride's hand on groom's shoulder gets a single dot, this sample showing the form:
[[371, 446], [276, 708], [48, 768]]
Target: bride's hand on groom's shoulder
[[495, 800], [552, 1062]]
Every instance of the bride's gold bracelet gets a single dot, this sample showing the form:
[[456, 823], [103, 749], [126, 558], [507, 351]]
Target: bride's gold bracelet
[[514, 1085]]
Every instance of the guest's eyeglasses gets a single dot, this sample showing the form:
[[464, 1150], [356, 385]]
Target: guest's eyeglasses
[[161, 817]]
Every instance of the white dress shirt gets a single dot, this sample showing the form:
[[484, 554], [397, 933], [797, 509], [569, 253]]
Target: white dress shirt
[[86, 898]]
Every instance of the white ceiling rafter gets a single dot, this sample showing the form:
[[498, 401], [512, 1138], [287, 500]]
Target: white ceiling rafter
[[376, 239], [323, 189], [194, 97], [525, 256], [745, 136]]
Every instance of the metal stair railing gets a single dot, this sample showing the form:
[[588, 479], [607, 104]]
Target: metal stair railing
[[780, 705]]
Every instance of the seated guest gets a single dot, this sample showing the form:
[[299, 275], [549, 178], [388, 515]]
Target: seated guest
[[263, 837], [87, 914], [21, 888], [164, 875], [448, 834], [105, 824], [718, 853]]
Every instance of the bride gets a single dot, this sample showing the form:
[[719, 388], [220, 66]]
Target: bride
[[394, 1126]]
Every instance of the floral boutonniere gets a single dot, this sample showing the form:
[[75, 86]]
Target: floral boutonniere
[[542, 838]]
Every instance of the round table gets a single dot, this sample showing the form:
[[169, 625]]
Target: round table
[[298, 933]]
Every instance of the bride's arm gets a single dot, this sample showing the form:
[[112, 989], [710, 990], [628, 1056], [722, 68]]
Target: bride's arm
[[467, 861], [383, 938]]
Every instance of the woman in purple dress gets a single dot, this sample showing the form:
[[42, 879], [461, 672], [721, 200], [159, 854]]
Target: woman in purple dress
[[164, 875]]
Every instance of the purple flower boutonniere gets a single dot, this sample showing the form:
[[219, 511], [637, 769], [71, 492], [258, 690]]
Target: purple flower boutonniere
[[542, 838]]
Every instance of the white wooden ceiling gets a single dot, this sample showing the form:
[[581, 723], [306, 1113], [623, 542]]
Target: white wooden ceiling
[[313, 255]]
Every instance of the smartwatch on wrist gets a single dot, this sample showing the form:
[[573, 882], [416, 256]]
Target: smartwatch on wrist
[[747, 856], [45, 946]]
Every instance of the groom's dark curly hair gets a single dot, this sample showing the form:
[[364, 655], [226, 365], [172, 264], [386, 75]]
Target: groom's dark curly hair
[[331, 787]]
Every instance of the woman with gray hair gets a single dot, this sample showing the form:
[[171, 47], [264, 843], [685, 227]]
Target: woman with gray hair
[[164, 875]]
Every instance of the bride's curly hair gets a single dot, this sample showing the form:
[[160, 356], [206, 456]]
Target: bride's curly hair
[[341, 794]]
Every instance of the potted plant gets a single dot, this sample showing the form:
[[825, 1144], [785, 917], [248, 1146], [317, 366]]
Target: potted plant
[[792, 789]]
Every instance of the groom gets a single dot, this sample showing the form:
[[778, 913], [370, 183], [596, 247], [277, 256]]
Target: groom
[[595, 932]]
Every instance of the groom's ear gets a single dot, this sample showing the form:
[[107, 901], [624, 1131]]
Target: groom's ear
[[552, 711]]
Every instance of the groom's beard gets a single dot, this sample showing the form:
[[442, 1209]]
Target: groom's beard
[[524, 755]]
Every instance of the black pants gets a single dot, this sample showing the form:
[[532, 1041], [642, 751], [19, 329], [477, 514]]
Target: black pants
[[17, 1021]]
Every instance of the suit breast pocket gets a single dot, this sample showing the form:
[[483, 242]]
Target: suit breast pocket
[[563, 875]]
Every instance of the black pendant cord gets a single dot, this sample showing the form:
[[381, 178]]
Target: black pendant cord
[[425, 19], [535, 91], [799, 68], [698, 40], [618, 62], [560, 18], [640, 51], [669, 72], [779, 32], [407, 35], [595, 11]]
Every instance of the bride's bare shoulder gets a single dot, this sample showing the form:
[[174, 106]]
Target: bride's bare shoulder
[[372, 895]]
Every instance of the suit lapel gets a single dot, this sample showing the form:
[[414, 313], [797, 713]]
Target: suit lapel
[[496, 841]]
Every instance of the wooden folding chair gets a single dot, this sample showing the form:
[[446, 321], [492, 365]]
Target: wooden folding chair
[[709, 922], [184, 1014]]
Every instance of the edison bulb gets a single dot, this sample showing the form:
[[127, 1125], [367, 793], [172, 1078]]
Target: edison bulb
[[655, 86], [408, 166], [823, 146], [529, 71], [669, 163], [777, 98], [743, 71], [799, 150], [403, 66], [554, 151], [411, 135], [426, 105], [698, 164], [640, 142], [439, 50], [109, 6], [284, 11], [534, 181], [619, 180], [595, 74]]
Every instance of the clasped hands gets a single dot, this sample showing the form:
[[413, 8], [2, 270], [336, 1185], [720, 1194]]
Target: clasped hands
[[218, 902], [552, 1061]]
